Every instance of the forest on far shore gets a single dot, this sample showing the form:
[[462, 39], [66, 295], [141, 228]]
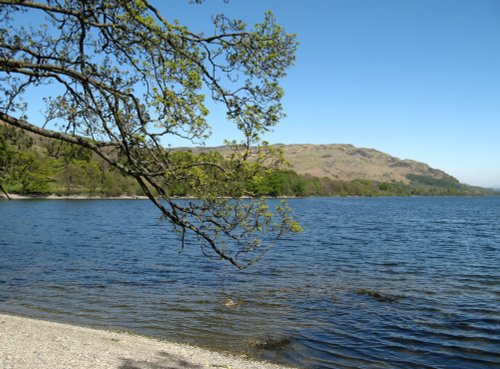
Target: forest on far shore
[[32, 165]]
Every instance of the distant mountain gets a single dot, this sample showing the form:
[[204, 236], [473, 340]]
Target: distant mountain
[[347, 162]]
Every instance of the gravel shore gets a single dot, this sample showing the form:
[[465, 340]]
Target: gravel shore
[[37, 344]]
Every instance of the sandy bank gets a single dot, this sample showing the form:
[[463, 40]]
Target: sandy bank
[[28, 344], [69, 197]]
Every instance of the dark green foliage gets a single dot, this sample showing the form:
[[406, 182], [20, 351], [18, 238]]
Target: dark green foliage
[[277, 183], [56, 167], [362, 187], [428, 181]]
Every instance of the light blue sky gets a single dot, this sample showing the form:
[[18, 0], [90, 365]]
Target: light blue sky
[[417, 79]]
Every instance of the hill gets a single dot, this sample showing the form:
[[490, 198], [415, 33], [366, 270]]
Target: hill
[[346, 170], [347, 163]]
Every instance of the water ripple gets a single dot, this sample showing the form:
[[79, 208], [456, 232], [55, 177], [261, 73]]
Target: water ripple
[[371, 283]]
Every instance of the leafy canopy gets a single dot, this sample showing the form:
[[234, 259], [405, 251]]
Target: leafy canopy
[[122, 80]]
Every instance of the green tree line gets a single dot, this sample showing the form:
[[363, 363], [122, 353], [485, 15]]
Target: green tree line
[[31, 165]]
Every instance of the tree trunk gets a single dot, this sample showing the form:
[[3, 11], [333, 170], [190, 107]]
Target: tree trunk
[[5, 192]]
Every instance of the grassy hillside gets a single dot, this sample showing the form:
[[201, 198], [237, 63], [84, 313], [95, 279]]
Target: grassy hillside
[[347, 163]]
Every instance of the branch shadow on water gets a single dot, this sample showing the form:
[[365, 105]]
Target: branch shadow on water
[[167, 361]]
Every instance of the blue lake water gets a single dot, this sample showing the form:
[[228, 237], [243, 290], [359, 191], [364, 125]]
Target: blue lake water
[[370, 283]]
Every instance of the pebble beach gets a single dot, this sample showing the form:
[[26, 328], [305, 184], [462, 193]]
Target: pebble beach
[[29, 343]]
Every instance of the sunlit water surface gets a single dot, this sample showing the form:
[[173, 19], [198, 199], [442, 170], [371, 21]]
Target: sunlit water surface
[[370, 283]]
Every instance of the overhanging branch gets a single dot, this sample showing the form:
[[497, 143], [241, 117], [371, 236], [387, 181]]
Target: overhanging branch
[[95, 147]]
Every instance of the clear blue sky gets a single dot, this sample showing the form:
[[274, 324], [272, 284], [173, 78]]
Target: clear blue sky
[[417, 79]]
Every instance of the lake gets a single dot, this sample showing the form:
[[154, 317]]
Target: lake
[[370, 283]]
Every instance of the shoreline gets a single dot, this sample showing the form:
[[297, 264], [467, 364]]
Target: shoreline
[[70, 197], [140, 197], [27, 343], [122, 197]]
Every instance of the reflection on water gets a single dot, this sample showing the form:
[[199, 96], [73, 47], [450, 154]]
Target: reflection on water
[[371, 283]]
